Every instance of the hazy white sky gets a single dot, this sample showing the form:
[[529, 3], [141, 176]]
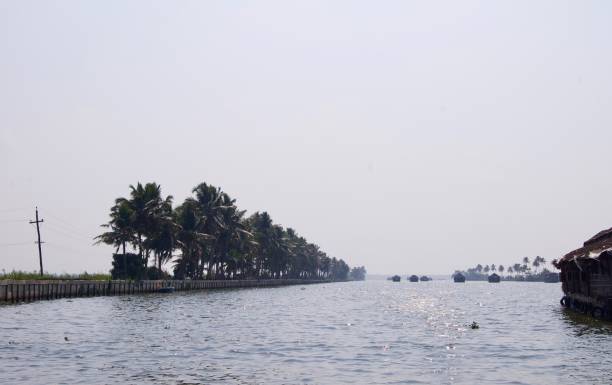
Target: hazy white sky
[[408, 136]]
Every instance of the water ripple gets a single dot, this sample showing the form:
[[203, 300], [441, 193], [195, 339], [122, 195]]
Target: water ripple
[[374, 332]]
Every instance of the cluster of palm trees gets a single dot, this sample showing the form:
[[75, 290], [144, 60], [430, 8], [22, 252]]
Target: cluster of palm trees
[[208, 237], [358, 273], [518, 271]]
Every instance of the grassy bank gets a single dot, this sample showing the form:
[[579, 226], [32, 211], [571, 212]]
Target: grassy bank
[[34, 276]]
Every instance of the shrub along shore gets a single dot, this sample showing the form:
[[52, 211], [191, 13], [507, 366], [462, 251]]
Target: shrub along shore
[[207, 237], [18, 275]]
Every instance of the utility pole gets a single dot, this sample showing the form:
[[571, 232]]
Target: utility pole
[[39, 242]]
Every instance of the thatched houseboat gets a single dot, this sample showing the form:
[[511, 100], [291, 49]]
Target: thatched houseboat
[[494, 278], [413, 278], [586, 276], [458, 277], [425, 278], [396, 278]]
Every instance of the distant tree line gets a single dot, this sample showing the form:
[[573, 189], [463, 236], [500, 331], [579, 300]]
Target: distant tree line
[[517, 272], [358, 273], [208, 237]]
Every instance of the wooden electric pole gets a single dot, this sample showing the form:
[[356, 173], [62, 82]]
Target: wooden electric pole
[[37, 221]]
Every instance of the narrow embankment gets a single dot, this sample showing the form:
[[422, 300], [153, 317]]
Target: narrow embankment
[[26, 291]]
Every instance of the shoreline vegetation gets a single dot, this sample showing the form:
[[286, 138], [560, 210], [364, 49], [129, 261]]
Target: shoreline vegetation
[[207, 237], [521, 272], [18, 275]]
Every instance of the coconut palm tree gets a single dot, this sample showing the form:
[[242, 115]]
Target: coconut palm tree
[[213, 237], [233, 239], [212, 207], [146, 204], [164, 231], [526, 260], [121, 231], [190, 239], [536, 263]]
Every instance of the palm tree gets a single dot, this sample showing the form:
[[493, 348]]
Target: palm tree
[[146, 204], [501, 269], [164, 230], [211, 208], [190, 238], [486, 269], [232, 242], [121, 230], [213, 238], [526, 260], [536, 263]]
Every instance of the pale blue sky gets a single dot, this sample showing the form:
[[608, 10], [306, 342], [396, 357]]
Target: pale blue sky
[[411, 137]]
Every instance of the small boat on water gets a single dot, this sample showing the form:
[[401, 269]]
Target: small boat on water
[[494, 278], [425, 278], [168, 289], [413, 278], [396, 278], [458, 277]]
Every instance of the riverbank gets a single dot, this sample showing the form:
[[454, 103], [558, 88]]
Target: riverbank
[[14, 291]]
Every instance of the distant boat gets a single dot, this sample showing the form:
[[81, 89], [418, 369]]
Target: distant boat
[[494, 278], [425, 278], [458, 277], [551, 278], [396, 278], [167, 289], [413, 278]]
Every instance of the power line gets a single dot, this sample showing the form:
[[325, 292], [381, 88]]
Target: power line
[[66, 248], [66, 224], [59, 226], [67, 234], [13, 209], [16, 244]]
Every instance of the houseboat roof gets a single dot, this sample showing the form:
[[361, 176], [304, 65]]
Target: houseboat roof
[[592, 248]]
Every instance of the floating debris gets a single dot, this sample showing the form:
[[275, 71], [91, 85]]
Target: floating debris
[[474, 325]]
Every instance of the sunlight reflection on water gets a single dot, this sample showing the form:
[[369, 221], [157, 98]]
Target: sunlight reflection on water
[[374, 332]]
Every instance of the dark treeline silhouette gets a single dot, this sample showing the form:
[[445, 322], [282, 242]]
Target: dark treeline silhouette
[[207, 237], [358, 273], [517, 272]]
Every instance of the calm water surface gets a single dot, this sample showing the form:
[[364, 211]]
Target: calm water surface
[[374, 332]]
